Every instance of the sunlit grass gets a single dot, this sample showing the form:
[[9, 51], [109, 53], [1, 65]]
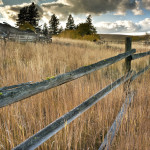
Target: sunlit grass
[[35, 62]]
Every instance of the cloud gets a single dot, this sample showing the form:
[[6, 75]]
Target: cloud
[[10, 12], [138, 10], [35, 1], [145, 24], [62, 8], [119, 26], [15, 2], [102, 6], [65, 7], [1, 2], [146, 4], [123, 26]]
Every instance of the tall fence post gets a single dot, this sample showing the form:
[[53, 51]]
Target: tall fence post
[[127, 90], [128, 45]]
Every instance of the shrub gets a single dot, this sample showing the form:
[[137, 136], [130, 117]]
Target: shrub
[[75, 34]]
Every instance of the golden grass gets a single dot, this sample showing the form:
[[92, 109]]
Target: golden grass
[[34, 62]]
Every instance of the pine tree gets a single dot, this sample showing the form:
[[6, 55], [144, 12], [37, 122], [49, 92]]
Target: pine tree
[[33, 15], [28, 14], [22, 16], [70, 23], [45, 29], [54, 22], [92, 28]]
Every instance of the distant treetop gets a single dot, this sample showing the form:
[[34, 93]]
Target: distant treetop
[[28, 15], [70, 23]]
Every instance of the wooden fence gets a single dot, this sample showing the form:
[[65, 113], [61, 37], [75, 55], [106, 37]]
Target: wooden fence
[[7, 32], [25, 37], [15, 93]]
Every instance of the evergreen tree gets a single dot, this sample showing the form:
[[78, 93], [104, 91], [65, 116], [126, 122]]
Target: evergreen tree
[[22, 16], [45, 29], [89, 22], [33, 15], [28, 14], [54, 22], [70, 23]]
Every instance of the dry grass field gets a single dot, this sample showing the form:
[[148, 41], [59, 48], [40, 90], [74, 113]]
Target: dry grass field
[[35, 62]]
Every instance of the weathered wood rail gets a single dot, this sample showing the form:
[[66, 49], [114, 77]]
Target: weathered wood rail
[[15, 93], [60, 123], [140, 55]]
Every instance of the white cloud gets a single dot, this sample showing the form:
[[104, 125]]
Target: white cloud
[[63, 2], [9, 13], [138, 10], [123, 26], [64, 7], [120, 13], [145, 24]]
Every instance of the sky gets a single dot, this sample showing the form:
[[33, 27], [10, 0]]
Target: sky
[[108, 16]]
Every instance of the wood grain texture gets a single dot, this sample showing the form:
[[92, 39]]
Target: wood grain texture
[[47, 132], [116, 124], [140, 55], [11, 96]]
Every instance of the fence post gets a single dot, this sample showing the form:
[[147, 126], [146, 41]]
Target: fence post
[[128, 45], [127, 89]]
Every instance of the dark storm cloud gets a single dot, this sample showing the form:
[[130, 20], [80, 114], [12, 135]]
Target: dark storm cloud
[[146, 4], [102, 6], [89, 6]]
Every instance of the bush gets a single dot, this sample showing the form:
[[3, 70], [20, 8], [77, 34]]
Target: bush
[[140, 38], [75, 34], [27, 26]]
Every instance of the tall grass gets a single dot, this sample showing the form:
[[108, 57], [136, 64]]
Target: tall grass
[[34, 62]]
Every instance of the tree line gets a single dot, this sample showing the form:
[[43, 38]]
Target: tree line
[[28, 18]]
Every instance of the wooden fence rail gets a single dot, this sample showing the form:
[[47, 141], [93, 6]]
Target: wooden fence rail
[[14, 86], [43, 135], [140, 55], [116, 124], [12, 94], [47, 132]]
